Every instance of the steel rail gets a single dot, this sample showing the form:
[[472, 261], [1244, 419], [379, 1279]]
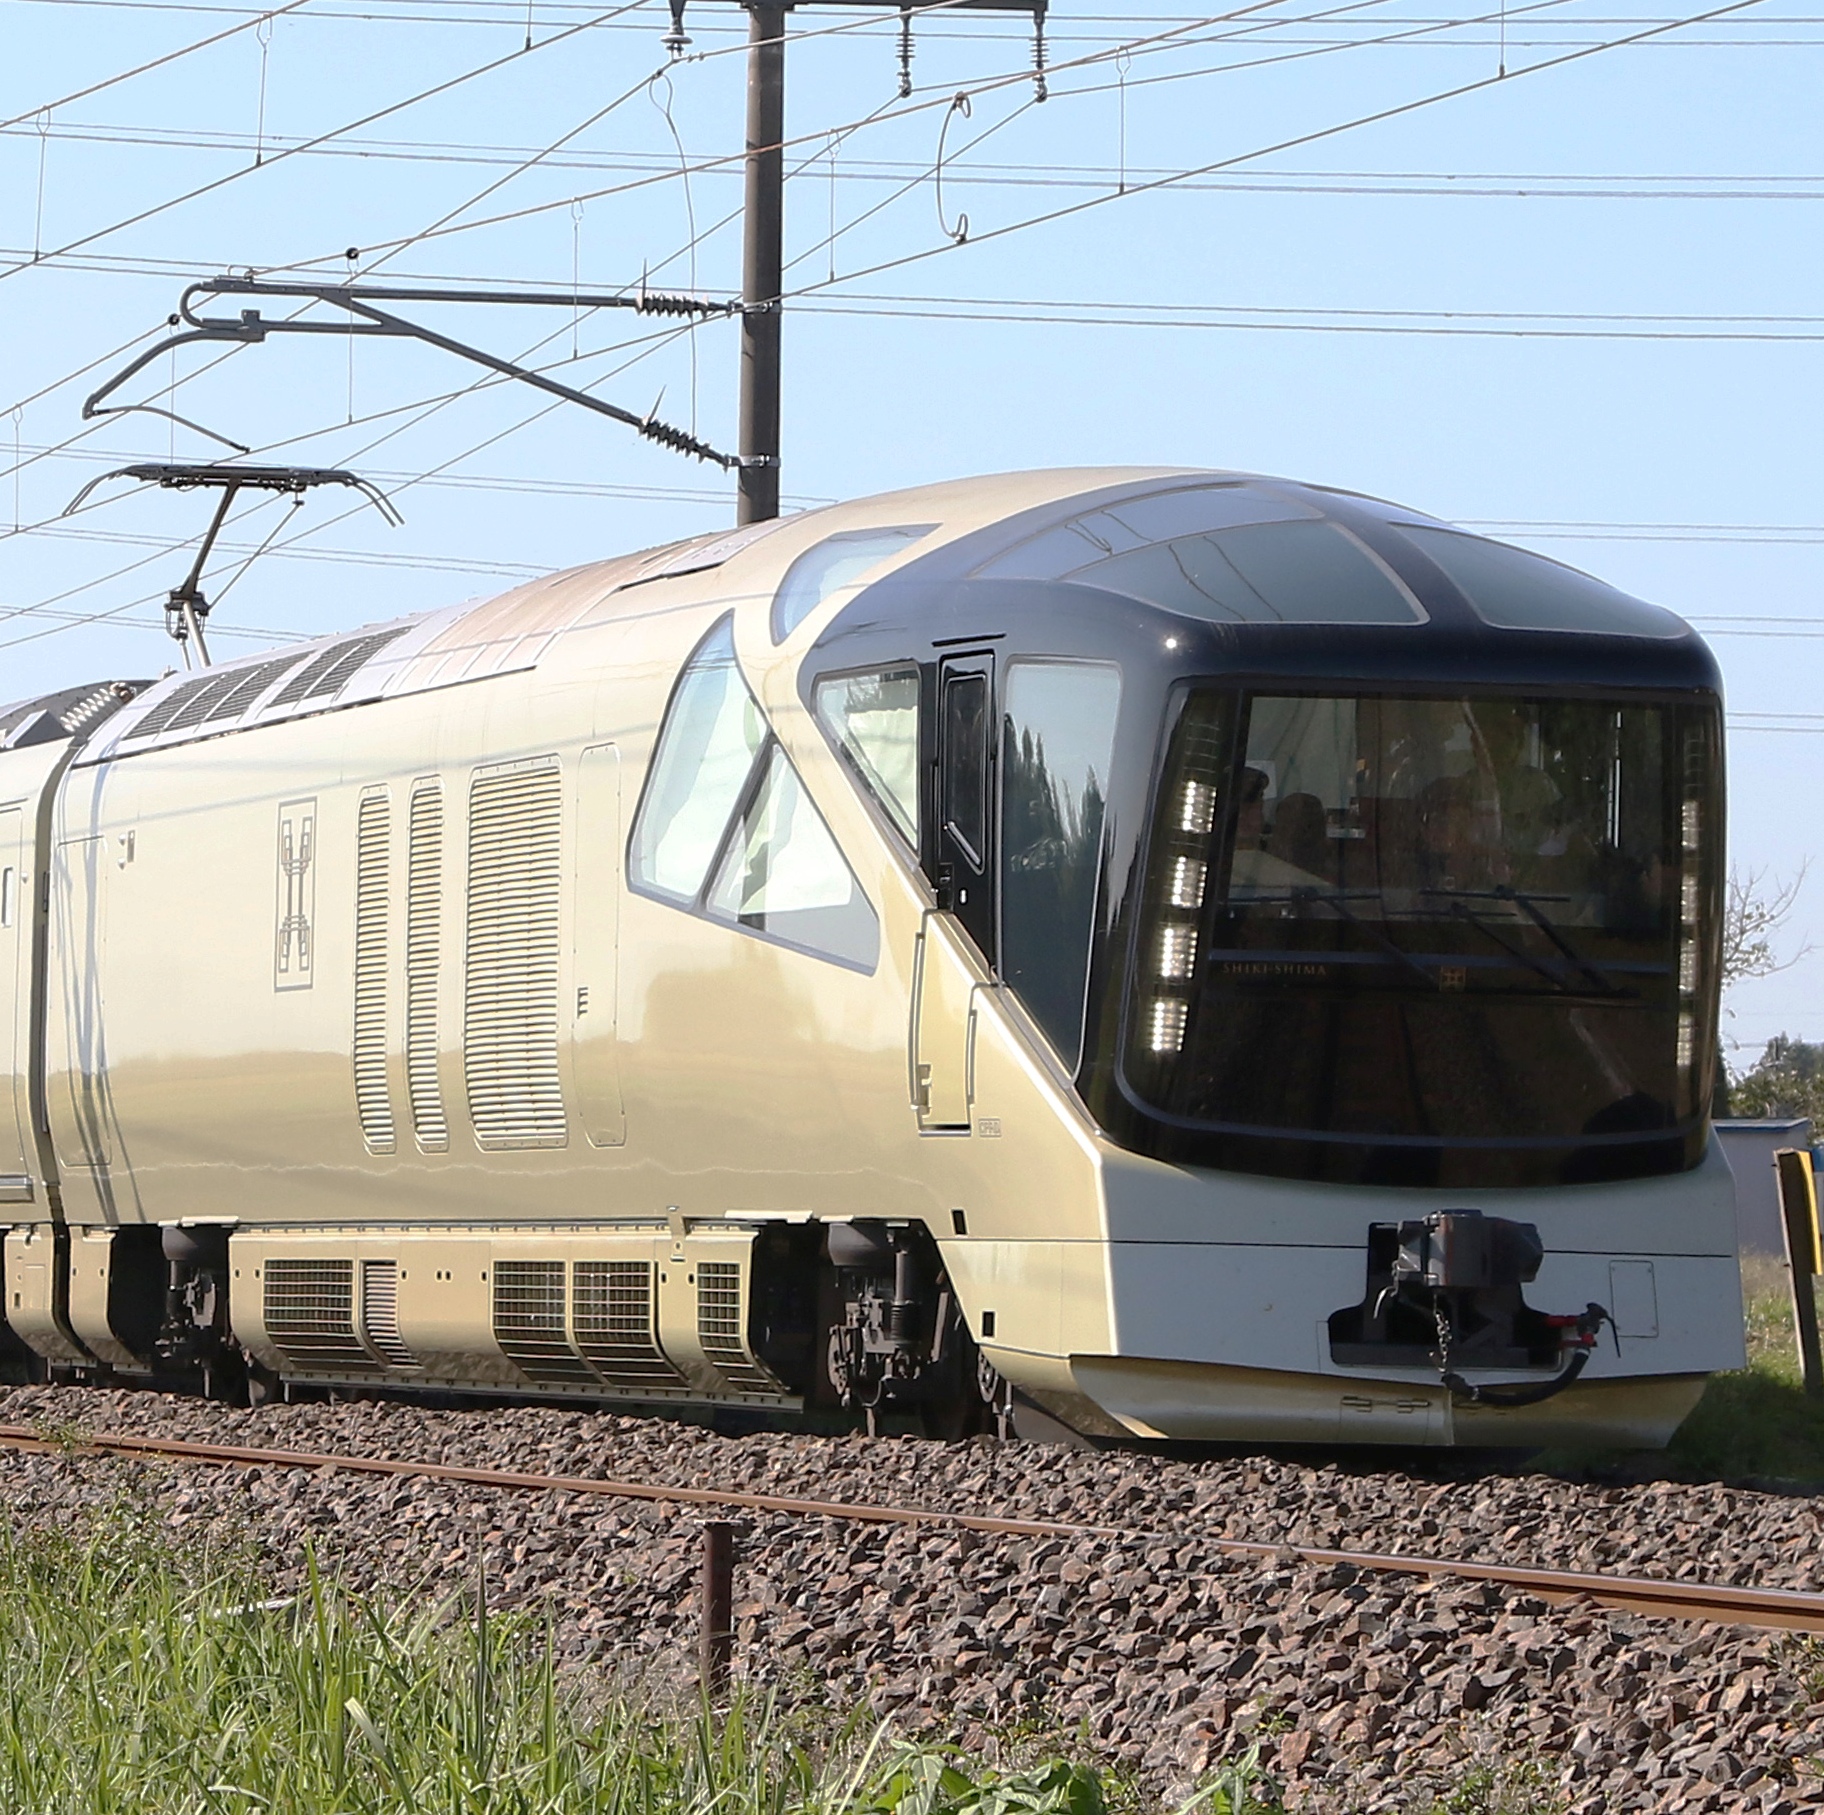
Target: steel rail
[[1775, 1609]]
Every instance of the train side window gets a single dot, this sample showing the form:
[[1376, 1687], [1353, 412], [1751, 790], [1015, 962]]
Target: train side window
[[966, 765], [711, 733], [9, 890], [1058, 740], [873, 721], [782, 875], [835, 562]]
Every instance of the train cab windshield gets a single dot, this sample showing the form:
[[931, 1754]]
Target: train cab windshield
[[1385, 934]]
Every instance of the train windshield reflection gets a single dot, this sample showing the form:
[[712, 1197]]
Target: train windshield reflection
[[1527, 813], [1432, 921]]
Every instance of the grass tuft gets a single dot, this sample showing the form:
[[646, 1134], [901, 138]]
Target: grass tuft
[[1503, 1786], [142, 1678], [1757, 1424]]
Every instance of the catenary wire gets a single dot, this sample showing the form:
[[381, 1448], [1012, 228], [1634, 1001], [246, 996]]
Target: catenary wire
[[94, 88], [1586, 52], [654, 343], [216, 183], [1135, 47], [1530, 185], [1316, 135]]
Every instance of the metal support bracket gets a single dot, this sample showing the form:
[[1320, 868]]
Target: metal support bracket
[[362, 300]]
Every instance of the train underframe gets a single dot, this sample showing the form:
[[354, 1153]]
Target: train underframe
[[839, 1324], [851, 1323]]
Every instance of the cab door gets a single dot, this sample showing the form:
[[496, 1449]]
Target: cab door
[[944, 973], [966, 794]]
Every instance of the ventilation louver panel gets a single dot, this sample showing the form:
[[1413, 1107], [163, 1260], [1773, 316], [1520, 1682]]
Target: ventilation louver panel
[[170, 706], [380, 1313], [510, 1015], [423, 968], [529, 1323], [248, 688], [329, 672], [307, 677], [612, 1314], [310, 1314], [373, 1094], [355, 657], [197, 707], [721, 1327]]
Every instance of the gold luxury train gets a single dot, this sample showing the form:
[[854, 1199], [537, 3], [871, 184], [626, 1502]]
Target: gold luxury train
[[1181, 954]]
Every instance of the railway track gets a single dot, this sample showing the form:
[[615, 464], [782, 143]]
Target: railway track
[[1775, 1609]]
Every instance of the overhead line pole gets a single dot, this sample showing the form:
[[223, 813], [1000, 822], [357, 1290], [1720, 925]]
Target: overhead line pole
[[763, 237], [762, 265]]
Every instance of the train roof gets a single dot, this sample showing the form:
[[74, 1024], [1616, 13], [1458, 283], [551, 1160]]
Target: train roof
[[1076, 527], [52, 717]]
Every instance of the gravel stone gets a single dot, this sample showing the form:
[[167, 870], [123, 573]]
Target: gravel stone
[[1151, 1647]]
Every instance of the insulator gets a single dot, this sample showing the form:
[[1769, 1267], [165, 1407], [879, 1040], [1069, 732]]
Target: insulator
[[659, 302], [681, 441]]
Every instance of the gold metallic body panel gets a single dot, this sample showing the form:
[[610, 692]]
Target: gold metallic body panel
[[302, 1302]]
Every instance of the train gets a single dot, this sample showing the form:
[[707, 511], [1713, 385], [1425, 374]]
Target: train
[[1159, 954]]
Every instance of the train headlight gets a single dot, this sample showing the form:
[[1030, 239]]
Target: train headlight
[[1188, 876], [1197, 808], [1177, 952], [1165, 1024]]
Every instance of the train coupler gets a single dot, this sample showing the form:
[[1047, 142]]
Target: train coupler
[[1446, 1291]]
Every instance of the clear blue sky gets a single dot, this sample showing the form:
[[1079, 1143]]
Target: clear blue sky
[[1632, 234]]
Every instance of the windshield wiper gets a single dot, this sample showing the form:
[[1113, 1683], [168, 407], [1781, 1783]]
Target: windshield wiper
[[1529, 906], [1518, 953], [1400, 956]]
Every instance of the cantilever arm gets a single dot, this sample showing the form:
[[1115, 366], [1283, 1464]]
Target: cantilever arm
[[360, 301], [93, 405]]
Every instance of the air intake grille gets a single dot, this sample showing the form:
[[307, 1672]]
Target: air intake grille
[[529, 1322], [509, 1029], [328, 673], [373, 1097], [248, 688], [423, 968], [170, 706], [611, 1311], [720, 1326], [380, 1313], [196, 708], [310, 1313]]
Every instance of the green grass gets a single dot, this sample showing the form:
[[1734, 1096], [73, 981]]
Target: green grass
[[1757, 1424], [141, 1679], [1509, 1786]]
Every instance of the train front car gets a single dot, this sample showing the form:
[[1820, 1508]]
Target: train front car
[[1348, 888], [1222, 959]]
